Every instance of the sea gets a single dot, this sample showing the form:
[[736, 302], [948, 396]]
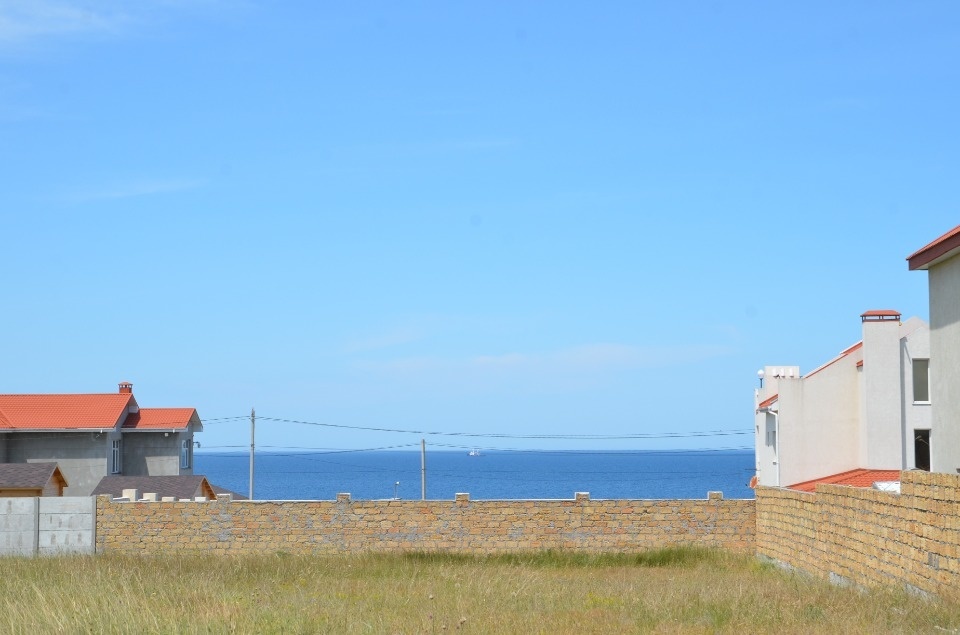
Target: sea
[[485, 475]]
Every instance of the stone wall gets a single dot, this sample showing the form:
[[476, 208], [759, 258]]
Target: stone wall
[[461, 525], [868, 537]]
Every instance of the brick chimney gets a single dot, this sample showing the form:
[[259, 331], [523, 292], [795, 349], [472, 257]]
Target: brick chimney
[[126, 388]]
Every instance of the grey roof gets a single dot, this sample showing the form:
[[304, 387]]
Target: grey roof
[[182, 486], [26, 475]]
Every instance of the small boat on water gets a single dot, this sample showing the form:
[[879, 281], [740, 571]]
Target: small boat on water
[[474, 452]]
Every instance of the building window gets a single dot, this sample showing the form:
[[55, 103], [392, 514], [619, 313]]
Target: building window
[[921, 380], [186, 453], [921, 449], [116, 457]]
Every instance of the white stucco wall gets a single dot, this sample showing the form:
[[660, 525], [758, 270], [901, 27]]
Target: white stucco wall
[[819, 421], [944, 279], [845, 416], [766, 424], [881, 426], [916, 416]]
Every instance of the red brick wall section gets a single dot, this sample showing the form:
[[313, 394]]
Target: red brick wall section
[[462, 525], [868, 537]]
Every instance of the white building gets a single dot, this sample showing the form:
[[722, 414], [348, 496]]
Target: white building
[[941, 260], [866, 409]]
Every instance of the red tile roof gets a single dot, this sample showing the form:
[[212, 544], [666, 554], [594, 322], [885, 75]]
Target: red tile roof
[[928, 254], [852, 478], [767, 402], [159, 418], [63, 412]]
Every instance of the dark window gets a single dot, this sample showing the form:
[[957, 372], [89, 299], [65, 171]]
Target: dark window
[[116, 458], [921, 449], [921, 380], [186, 453]]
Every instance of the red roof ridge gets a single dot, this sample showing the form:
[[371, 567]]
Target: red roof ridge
[[842, 354], [64, 412], [64, 394], [926, 255]]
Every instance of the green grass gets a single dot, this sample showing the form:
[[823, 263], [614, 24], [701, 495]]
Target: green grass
[[676, 590]]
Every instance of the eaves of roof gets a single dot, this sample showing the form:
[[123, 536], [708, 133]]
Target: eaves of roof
[[936, 251], [769, 401], [836, 359]]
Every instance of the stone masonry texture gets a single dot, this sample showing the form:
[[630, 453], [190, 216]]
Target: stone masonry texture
[[461, 525], [868, 537]]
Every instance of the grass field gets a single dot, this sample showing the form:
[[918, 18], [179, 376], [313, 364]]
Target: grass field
[[667, 591]]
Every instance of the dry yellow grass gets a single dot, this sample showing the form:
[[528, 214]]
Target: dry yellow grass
[[670, 591]]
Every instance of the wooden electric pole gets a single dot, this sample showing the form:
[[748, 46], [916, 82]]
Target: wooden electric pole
[[253, 423], [423, 469]]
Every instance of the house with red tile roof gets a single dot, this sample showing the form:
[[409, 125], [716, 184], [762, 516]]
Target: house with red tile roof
[[94, 435], [867, 409], [941, 260]]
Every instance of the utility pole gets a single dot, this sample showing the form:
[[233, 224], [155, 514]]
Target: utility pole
[[253, 424], [423, 469]]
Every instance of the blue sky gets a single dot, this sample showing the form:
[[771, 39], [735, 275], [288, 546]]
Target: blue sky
[[500, 218]]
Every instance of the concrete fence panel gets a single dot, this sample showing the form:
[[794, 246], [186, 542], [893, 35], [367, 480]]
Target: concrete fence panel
[[18, 526], [67, 525], [47, 526]]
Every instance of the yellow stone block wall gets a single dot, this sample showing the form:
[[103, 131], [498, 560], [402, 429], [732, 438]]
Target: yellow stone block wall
[[868, 537], [787, 528], [465, 526]]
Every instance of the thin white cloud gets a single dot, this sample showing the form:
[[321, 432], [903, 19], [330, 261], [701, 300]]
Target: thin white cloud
[[388, 339], [413, 328], [25, 20], [588, 359], [134, 189]]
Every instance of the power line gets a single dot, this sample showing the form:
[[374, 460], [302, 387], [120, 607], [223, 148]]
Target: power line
[[494, 435], [594, 452], [300, 450]]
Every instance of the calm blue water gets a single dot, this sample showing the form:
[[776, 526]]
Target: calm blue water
[[493, 475]]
